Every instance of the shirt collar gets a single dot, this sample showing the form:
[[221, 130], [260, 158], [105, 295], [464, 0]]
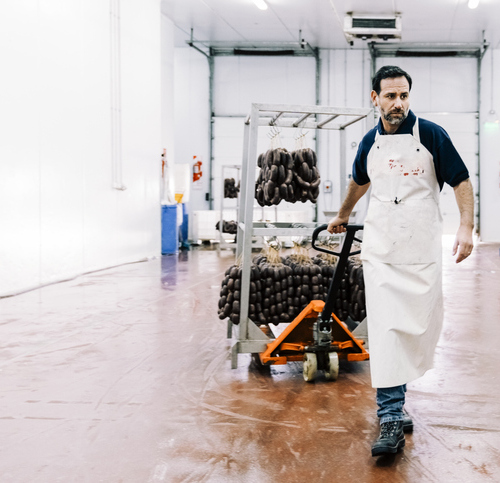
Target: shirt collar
[[406, 126]]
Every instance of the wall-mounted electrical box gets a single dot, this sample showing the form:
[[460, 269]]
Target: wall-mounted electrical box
[[327, 186]]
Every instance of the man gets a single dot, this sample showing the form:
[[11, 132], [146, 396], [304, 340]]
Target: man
[[406, 161]]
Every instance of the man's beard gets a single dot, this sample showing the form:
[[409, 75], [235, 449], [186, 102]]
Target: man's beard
[[395, 121]]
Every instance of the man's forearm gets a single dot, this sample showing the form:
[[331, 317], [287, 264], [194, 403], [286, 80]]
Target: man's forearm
[[464, 195], [354, 193]]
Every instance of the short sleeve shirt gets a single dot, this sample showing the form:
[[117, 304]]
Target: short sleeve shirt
[[449, 166]]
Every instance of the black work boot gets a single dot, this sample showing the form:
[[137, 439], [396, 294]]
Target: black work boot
[[391, 438], [407, 422]]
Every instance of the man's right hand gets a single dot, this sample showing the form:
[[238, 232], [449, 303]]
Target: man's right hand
[[354, 193], [336, 224]]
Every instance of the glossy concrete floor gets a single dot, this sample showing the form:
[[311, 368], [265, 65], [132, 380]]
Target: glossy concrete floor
[[124, 376]]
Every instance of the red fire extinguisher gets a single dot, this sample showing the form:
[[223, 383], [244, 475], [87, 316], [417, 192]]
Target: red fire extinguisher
[[197, 173]]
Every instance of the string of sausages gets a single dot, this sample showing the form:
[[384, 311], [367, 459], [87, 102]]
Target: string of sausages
[[285, 176]]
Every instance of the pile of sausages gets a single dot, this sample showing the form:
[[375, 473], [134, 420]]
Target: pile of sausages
[[230, 188], [287, 176], [280, 291], [357, 302], [229, 302], [230, 227]]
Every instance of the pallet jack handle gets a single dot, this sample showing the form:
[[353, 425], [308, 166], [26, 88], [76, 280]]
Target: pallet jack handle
[[351, 231], [344, 254]]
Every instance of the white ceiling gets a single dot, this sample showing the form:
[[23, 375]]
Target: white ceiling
[[434, 21]]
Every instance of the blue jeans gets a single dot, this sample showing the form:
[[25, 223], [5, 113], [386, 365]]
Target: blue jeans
[[390, 401]]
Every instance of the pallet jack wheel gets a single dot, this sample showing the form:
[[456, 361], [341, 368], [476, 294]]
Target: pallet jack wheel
[[256, 360], [310, 366], [257, 365], [332, 373]]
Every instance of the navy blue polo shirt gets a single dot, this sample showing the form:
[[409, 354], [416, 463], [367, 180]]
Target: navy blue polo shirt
[[449, 166]]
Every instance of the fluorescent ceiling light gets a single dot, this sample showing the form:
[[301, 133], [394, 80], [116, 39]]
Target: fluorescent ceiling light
[[263, 5], [473, 3]]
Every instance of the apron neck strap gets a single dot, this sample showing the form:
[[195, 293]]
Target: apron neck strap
[[416, 132]]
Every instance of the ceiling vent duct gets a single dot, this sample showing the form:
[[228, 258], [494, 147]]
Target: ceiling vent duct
[[372, 27]]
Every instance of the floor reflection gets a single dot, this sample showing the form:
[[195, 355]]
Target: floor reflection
[[169, 270]]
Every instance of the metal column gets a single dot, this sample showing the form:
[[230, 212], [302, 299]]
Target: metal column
[[211, 131], [343, 175], [243, 192]]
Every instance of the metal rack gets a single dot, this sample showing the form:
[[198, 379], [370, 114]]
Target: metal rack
[[250, 338], [224, 168]]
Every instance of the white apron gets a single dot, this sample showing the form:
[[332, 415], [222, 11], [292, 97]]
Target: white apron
[[401, 256]]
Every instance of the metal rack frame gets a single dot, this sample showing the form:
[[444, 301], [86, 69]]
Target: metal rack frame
[[250, 338], [224, 167]]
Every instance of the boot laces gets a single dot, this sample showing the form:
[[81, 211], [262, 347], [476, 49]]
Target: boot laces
[[388, 429]]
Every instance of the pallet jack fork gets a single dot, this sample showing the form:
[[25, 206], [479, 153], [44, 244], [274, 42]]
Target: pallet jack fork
[[317, 336]]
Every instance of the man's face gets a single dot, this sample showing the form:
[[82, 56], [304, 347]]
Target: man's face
[[393, 101]]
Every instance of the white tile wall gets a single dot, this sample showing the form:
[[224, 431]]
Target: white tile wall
[[490, 147], [60, 216]]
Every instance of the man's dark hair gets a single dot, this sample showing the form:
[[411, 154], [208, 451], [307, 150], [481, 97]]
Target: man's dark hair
[[388, 72]]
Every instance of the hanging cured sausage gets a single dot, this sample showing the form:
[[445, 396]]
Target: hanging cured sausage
[[230, 227], [230, 188], [287, 176]]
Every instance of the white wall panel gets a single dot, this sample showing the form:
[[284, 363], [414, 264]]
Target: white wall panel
[[139, 210], [490, 147], [64, 218], [242, 80], [192, 119], [227, 151], [19, 155], [101, 202], [441, 84], [168, 86], [60, 103]]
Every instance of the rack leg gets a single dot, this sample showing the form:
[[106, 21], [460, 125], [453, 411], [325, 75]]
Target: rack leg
[[234, 355], [229, 329]]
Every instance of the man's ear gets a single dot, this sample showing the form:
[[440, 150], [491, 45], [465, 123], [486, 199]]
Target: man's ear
[[374, 97]]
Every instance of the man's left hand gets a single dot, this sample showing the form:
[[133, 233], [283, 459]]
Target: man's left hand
[[463, 243]]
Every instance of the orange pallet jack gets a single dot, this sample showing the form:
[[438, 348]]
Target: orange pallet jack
[[316, 335]]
